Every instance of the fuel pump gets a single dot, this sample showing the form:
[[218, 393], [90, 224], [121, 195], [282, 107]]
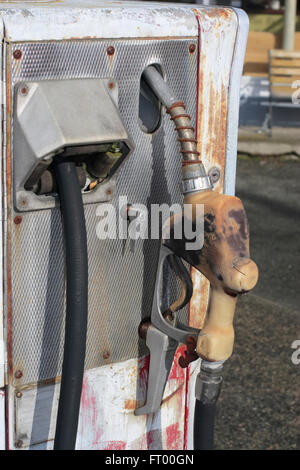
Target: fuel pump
[[88, 91], [224, 260]]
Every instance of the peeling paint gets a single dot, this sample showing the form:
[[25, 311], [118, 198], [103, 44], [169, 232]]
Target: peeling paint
[[109, 424], [69, 19], [217, 26]]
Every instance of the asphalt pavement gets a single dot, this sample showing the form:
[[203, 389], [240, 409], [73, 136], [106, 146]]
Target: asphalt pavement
[[259, 407]]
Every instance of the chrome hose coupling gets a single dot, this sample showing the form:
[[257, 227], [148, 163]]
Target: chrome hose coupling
[[195, 178], [209, 382]]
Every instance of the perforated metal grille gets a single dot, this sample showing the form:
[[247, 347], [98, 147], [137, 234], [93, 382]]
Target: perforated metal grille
[[121, 273]]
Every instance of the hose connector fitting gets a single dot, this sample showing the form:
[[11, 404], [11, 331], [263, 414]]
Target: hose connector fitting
[[209, 382], [195, 178]]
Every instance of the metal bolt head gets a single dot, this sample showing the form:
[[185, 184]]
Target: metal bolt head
[[192, 48], [18, 219], [214, 174], [17, 54], [24, 90], [19, 444], [18, 374], [106, 355], [110, 50], [19, 394]]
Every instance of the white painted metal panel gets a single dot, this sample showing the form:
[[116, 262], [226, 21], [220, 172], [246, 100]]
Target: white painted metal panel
[[33, 21], [107, 421]]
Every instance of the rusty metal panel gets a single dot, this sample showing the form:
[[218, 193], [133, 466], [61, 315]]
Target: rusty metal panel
[[234, 101], [121, 276], [227, 163], [218, 28]]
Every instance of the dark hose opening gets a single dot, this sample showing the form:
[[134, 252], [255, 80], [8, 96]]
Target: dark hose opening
[[77, 300]]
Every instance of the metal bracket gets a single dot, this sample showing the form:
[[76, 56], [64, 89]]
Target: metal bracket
[[64, 118]]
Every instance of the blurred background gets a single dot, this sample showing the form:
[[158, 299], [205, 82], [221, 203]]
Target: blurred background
[[259, 407]]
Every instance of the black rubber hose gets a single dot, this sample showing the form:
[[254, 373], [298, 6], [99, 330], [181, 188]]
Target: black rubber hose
[[204, 421], [77, 300]]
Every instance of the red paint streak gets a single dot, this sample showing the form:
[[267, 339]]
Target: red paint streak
[[176, 372], [143, 371], [153, 439], [89, 412], [88, 402], [174, 437], [115, 445]]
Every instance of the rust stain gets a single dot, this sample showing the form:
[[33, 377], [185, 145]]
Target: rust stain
[[215, 141], [211, 132], [169, 397], [215, 16], [130, 404]]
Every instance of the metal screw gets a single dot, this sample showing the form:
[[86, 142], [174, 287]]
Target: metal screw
[[110, 50], [19, 444], [17, 54], [18, 219], [192, 48], [108, 192], [106, 355], [111, 85], [24, 202], [214, 174], [19, 394], [18, 374], [24, 90]]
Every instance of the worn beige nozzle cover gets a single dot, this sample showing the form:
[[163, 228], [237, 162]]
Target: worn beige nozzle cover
[[225, 261]]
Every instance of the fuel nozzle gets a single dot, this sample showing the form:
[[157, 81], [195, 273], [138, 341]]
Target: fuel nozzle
[[223, 258]]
